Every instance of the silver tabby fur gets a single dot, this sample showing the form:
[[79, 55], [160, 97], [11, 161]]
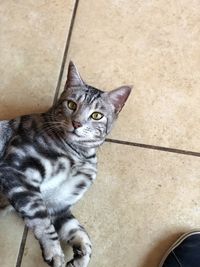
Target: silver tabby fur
[[48, 161]]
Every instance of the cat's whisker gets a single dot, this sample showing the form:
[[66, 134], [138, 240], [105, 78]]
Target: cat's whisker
[[45, 168]]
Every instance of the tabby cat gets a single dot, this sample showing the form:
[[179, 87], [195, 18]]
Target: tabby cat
[[48, 161]]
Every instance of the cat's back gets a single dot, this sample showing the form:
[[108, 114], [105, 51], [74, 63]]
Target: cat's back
[[6, 132], [17, 126]]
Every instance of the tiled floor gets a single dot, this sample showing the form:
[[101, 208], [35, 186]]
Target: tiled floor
[[145, 195]]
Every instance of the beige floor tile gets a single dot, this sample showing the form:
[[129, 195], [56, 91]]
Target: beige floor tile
[[140, 203], [11, 230], [33, 35], [153, 45]]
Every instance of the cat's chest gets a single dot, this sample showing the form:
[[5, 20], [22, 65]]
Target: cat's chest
[[65, 183]]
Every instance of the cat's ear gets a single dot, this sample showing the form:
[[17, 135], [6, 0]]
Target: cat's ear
[[119, 96], [73, 76]]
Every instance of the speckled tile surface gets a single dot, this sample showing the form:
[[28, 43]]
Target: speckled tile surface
[[153, 45], [33, 35], [11, 229]]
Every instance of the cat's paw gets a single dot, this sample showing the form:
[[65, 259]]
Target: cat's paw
[[53, 255], [78, 261], [82, 254], [57, 261]]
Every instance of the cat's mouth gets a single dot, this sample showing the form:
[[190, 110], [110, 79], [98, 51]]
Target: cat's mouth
[[74, 133]]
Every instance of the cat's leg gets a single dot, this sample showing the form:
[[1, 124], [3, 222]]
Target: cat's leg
[[70, 231], [29, 204]]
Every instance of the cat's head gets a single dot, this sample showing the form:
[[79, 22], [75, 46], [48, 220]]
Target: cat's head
[[88, 113]]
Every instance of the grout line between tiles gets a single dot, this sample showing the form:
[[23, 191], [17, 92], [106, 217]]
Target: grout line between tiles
[[22, 246], [69, 34], [160, 148]]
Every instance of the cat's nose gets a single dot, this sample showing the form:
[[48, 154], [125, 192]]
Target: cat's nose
[[76, 124]]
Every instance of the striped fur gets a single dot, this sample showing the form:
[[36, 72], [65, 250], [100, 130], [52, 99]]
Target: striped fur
[[48, 161]]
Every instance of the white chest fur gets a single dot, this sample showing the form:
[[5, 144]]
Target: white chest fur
[[64, 185]]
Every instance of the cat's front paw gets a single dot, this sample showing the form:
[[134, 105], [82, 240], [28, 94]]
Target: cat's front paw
[[57, 261], [53, 255], [82, 255], [78, 261]]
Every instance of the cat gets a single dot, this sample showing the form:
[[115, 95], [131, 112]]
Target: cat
[[48, 161]]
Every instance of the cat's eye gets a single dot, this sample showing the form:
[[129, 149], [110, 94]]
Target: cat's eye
[[96, 116], [71, 105]]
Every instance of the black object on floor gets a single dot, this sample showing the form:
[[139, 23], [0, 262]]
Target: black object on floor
[[185, 252]]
